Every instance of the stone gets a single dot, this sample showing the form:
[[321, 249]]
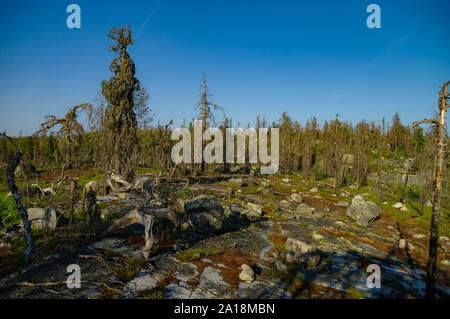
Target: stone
[[253, 213], [262, 290], [404, 244], [287, 205], [226, 211], [145, 280], [212, 281], [265, 183], [317, 236], [297, 198], [397, 205], [363, 212], [303, 209], [286, 180], [247, 274], [314, 190], [236, 181], [123, 196], [280, 266], [255, 207], [297, 248], [419, 236], [117, 246], [44, 218], [342, 204], [404, 209], [234, 169], [186, 271], [204, 213]]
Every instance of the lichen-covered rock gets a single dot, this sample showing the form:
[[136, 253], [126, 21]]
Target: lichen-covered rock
[[363, 212], [342, 204], [44, 218], [287, 205], [204, 213], [253, 213], [297, 198], [304, 210], [300, 251]]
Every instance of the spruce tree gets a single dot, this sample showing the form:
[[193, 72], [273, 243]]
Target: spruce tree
[[120, 124]]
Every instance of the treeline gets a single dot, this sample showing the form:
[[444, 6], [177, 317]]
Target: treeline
[[335, 149]]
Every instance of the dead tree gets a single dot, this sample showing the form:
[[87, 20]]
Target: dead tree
[[15, 161], [69, 127], [204, 105], [73, 186], [439, 129], [409, 166]]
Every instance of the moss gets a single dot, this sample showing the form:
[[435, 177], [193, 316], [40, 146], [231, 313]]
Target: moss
[[356, 294], [8, 210], [107, 292], [303, 223], [126, 268], [152, 294], [196, 254]]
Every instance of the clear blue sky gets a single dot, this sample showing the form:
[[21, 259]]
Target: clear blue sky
[[261, 57]]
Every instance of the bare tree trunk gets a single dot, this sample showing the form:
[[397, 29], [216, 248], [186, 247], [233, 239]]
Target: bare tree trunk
[[23, 213], [436, 195], [205, 106], [226, 166], [406, 182]]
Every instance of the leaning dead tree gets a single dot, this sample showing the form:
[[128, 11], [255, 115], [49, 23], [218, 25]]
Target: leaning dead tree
[[69, 127], [439, 131], [15, 161]]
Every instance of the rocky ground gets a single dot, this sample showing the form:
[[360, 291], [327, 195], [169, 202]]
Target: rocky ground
[[240, 236]]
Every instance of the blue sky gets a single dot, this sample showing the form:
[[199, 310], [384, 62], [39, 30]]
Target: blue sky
[[260, 57]]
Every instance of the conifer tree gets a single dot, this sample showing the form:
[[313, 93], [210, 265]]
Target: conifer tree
[[120, 124]]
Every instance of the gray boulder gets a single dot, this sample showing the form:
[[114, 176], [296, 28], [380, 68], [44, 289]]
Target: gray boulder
[[342, 204], [298, 251], [253, 213], [303, 209], [236, 181], [44, 218], [296, 197], [287, 205], [204, 213], [363, 211]]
